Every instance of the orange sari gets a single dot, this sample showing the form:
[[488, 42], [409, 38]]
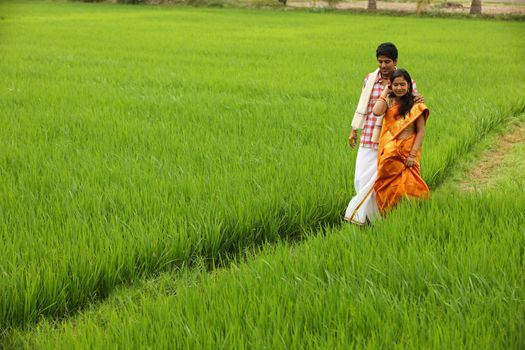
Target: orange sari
[[394, 179]]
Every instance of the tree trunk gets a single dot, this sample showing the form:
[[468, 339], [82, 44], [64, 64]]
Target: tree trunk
[[475, 7], [372, 4]]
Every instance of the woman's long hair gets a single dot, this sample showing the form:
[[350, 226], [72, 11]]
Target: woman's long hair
[[407, 101]]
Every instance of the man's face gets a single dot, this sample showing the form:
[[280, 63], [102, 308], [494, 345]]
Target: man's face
[[386, 65]]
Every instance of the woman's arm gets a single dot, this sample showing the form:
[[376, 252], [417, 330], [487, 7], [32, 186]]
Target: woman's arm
[[381, 106], [420, 134]]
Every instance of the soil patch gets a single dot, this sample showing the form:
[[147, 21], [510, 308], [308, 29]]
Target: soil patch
[[487, 167]]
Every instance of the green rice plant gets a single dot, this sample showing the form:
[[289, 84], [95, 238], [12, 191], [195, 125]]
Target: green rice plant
[[135, 139], [445, 273]]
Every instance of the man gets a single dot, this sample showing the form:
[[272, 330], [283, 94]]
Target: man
[[363, 208]]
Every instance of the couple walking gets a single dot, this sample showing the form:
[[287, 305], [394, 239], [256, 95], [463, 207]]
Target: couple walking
[[392, 117]]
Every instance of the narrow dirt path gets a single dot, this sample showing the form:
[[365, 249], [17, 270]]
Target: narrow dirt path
[[491, 162]]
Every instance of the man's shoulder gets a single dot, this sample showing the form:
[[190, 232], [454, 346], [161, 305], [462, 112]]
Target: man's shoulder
[[371, 74], [414, 87]]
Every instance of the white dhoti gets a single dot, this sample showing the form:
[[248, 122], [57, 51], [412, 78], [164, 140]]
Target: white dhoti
[[363, 206]]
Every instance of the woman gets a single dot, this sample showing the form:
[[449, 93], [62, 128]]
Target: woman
[[402, 133]]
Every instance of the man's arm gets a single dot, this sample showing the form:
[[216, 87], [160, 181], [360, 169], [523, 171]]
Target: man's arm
[[352, 139], [417, 97]]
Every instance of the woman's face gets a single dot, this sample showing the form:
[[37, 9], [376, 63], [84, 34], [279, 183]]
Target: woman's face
[[400, 86]]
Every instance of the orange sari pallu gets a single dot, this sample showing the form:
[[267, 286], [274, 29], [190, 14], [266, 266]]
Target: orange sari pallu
[[394, 179]]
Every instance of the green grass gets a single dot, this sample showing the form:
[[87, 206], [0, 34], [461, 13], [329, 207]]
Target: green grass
[[137, 138], [446, 273]]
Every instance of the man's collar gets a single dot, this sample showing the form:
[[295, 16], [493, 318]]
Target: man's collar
[[379, 77]]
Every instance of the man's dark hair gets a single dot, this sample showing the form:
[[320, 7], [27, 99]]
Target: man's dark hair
[[387, 49]]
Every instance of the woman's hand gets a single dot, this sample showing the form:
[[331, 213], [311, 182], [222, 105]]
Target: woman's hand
[[386, 90], [381, 104], [411, 160]]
